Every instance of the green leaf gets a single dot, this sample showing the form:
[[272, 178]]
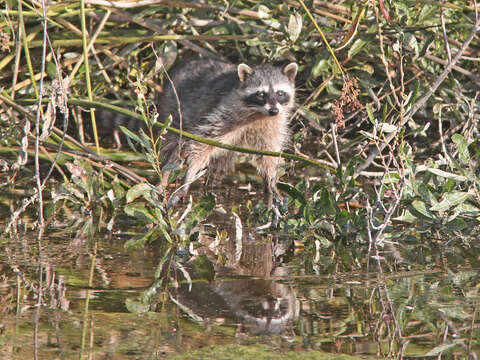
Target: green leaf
[[448, 185], [203, 208], [309, 214], [164, 262], [467, 209], [463, 153], [132, 135], [386, 128], [165, 232], [450, 200], [325, 202], [368, 135], [139, 211], [457, 224], [352, 31], [294, 26], [446, 174], [73, 190], [425, 193], [199, 212], [135, 306], [142, 189], [204, 268], [321, 65], [428, 12], [411, 42], [407, 217], [342, 218], [421, 208], [292, 191], [370, 113], [145, 141], [166, 122], [356, 47], [441, 348], [138, 242], [52, 70], [369, 69]]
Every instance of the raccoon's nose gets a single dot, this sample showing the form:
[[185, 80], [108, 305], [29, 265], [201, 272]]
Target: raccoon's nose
[[273, 111]]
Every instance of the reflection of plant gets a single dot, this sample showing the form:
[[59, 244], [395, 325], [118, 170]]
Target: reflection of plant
[[171, 234], [154, 214], [152, 210], [408, 107], [435, 312]]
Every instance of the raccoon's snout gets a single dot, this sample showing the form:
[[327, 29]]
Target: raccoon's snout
[[273, 111]]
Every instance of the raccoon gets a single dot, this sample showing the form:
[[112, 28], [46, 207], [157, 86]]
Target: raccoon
[[238, 105]]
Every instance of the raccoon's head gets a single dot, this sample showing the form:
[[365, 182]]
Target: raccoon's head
[[266, 89]]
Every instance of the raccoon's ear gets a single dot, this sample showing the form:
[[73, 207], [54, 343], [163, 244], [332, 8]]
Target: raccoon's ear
[[291, 71], [244, 71]]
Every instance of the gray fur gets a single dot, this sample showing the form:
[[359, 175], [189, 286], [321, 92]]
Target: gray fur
[[211, 103]]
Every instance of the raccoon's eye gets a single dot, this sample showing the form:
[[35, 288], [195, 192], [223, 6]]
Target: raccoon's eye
[[261, 95], [282, 96]]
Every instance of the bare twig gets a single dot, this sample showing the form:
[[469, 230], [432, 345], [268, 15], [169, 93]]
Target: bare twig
[[459, 69], [333, 128], [445, 37], [421, 102]]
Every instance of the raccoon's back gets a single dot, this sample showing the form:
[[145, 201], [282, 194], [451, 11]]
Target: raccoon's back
[[199, 86]]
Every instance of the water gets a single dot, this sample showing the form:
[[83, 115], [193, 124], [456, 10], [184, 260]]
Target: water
[[242, 288]]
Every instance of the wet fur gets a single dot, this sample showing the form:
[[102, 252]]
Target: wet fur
[[211, 103]]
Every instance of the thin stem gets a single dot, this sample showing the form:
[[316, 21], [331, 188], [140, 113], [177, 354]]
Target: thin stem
[[37, 121], [87, 302], [87, 73], [195, 137], [322, 35], [26, 49], [90, 45], [420, 103]]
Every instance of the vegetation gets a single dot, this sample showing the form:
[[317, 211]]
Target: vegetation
[[382, 177]]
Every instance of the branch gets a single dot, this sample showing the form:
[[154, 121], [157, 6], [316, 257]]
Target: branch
[[420, 103], [195, 137], [123, 111]]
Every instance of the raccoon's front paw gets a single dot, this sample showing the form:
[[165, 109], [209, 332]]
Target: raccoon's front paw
[[276, 213]]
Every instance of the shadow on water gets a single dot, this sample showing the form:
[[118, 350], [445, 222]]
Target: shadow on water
[[69, 295]]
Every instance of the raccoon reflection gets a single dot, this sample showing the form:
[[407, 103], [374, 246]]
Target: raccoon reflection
[[242, 291], [237, 105], [262, 306]]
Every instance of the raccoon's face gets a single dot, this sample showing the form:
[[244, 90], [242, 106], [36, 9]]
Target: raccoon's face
[[268, 90]]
